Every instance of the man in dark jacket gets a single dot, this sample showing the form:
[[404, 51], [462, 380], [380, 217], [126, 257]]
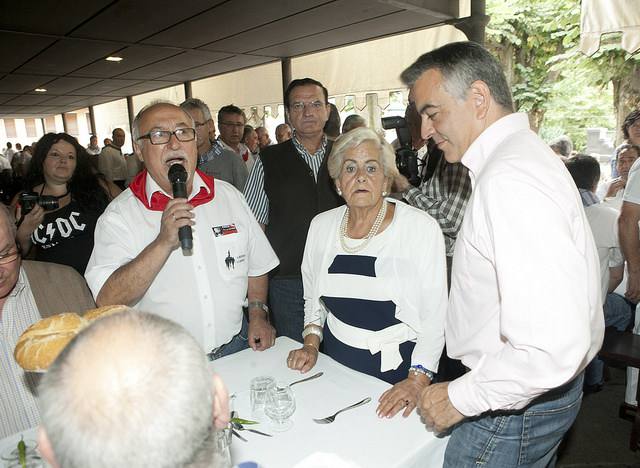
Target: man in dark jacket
[[288, 186]]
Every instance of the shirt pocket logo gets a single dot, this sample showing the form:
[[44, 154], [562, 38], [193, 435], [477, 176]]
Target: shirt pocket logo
[[231, 254]]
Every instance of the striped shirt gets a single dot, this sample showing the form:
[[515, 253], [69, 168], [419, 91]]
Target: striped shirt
[[254, 189], [18, 405], [444, 196]]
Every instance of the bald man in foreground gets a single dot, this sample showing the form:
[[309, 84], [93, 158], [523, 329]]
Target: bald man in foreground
[[134, 390]]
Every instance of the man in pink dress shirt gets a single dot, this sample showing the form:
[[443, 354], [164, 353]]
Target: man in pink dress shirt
[[525, 312]]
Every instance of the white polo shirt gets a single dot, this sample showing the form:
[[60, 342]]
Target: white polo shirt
[[632, 189], [203, 292]]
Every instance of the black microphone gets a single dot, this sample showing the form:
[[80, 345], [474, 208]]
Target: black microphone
[[178, 178]]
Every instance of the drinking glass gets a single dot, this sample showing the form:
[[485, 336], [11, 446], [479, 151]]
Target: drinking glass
[[280, 405], [259, 387], [12, 457], [222, 448]]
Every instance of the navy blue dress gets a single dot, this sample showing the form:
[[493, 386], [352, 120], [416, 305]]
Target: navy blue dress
[[362, 307]]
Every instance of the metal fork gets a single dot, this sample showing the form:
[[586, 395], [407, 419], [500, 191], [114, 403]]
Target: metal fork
[[330, 419]]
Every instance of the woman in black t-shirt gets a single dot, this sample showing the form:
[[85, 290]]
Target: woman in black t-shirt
[[61, 170]]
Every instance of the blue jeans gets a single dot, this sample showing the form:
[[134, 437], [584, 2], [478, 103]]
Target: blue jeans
[[617, 313], [287, 307], [525, 438], [237, 343]]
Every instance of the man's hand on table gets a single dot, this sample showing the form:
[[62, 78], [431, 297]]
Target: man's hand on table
[[436, 409], [633, 287], [303, 359], [402, 396], [261, 334]]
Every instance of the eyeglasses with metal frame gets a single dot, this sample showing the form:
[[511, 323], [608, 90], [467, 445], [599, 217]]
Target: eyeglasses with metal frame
[[160, 137], [9, 257]]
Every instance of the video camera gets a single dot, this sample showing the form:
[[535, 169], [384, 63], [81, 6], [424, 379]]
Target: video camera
[[406, 157], [28, 201]]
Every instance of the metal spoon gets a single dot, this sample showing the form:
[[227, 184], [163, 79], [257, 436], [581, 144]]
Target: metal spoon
[[306, 379]]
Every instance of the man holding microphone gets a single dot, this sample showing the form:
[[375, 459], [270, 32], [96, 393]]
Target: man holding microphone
[[137, 260]]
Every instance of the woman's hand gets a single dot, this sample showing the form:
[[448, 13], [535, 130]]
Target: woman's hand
[[403, 395], [303, 359], [31, 220], [30, 223]]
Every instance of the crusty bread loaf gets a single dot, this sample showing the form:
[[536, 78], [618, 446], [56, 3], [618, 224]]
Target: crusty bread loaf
[[104, 311], [40, 344]]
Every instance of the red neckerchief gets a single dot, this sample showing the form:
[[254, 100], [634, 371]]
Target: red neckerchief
[[159, 200], [245, 156]]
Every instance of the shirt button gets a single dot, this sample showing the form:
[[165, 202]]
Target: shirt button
[[205, 296]]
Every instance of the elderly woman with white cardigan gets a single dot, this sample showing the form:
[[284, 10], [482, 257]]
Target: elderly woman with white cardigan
[[374, 276]]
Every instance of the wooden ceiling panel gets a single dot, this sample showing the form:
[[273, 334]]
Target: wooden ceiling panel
[[16, 49], [133, 57], [106, 86], [23, 83], [9, 109], [374, 28], [134, 20], [67, 85], [174, 64], [57, 17], [27, 100], [94, 101], [311, 22], [64, 100], [145, 87], [67, 55], [7, 97], [229, 19], [237, 62]]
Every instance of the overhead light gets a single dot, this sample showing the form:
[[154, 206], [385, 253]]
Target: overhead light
[[40, 90], [113, 59]]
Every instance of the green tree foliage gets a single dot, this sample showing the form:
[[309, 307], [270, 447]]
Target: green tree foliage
[[526, 35], [609, 68], [561, 89]]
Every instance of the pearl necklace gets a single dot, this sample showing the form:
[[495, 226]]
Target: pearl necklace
[[342, 232]]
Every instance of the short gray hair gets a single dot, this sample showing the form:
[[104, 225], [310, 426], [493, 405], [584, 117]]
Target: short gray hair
[[562, 145], [195, 103], [353, 121], [626, 146], [135, 126], [355, 138], [462, 63], [132, 389]]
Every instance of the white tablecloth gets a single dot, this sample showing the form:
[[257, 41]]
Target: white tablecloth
[[357, 436]]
